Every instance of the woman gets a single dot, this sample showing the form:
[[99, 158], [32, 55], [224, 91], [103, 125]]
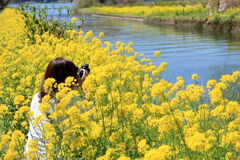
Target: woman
[[59, 69]]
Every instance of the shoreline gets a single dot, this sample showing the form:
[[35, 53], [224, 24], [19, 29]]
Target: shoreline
[[222, 25]]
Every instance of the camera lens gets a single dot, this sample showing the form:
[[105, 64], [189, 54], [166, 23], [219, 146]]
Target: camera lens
[[85, 67]]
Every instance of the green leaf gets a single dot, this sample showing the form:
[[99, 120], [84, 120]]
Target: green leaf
[[26, 5], [66, 7], [72, 13]]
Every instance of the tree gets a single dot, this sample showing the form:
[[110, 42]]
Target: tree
[[113, 2], [102, 1], [3, 4]]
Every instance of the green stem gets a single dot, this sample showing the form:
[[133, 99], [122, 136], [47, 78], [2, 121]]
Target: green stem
[[181, 133]]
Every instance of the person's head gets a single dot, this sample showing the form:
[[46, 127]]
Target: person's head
[[59, 69]]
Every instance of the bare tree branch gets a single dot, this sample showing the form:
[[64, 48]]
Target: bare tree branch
[[3, 4]]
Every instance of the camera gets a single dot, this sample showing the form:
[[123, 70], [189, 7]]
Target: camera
[[85, 67]]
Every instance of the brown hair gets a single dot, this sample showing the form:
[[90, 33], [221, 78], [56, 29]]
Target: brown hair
[[59, 69]]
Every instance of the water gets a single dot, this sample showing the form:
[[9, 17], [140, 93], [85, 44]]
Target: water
[[206, 53], [52, 9]]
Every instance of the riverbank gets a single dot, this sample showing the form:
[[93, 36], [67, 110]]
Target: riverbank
[[207, 24], [196, 17], [222, 25]]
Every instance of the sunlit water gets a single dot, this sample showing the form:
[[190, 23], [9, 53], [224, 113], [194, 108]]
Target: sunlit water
[[187, 52]]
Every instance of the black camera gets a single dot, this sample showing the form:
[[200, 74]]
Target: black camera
[[85, 66]]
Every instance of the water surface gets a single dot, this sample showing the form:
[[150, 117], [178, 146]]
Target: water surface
[[206, 53]]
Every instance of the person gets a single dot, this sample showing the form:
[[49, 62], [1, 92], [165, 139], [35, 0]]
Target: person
[[59, 69]]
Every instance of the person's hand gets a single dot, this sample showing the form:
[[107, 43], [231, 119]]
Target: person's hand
[[82, 79]]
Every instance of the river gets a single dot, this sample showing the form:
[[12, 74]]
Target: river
[[207, 53]]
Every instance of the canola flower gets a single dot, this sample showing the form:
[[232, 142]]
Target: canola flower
[[157, 54], [129, 112], [189, 12], [147, 11]]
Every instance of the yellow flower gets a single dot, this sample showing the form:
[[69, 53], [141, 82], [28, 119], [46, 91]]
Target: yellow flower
[[96, 131], [230, 156], [48, 84], [24, 124], [232, 108], [157, 54], [162, 67], [237, 146], [38, 119], [32, 149], [161, 153], [45, 108], [89, 34], [19, 99], [155, 72], [73, 19], [101, 34], [14, 123], [198, 142], [3, 109], [70, 81], [123, 157], [30, 114], [145, 97], [211, 83], [142, 146], [134, 85], [130, 43], [195, 77]]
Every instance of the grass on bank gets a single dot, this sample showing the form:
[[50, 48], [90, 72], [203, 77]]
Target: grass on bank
[[180, 2], [151, 11], [180, 12]]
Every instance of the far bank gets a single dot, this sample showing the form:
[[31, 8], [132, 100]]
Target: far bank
[[222, 25], [195, 17]]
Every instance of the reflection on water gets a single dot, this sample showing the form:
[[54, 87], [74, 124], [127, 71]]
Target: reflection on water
[[207, 53]]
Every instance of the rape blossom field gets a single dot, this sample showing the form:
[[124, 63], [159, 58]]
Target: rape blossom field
[[129, 111], [148, 11], [189, 12]]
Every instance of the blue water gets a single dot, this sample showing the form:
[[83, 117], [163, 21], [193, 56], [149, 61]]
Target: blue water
[[207, 53]]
